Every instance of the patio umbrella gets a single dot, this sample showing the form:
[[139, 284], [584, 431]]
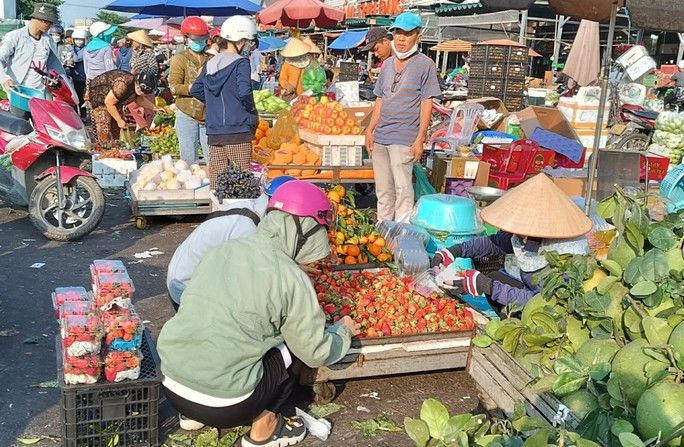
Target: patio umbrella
[[185, 8], [511, 43], [300, 13], [453, 46], [149, 23], [584, 61]]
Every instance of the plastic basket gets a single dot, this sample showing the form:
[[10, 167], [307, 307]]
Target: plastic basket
[[514, 86], [105, 414], [515, 70], [513, 103], [672, 188], [489, 264], [19, 96]]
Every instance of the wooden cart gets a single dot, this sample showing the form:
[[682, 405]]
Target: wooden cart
[[180, 202], [383, 356]]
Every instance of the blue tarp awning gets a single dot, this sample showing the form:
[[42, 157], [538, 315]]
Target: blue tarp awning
[[270, 43], [348, 40], [185, 8]]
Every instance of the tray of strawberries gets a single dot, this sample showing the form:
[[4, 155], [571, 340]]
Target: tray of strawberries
[[113, 288], [102, 266], [122, 365], [83, 308], [123, 330], [62, 295], [82, 334], [84, 369]]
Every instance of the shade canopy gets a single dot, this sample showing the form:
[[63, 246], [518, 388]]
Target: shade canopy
[[300, 13], [348, 40], [454, 46], [537, 208], [511, 43], [149, 23], [271, 43], [584, 61], [184, 8]]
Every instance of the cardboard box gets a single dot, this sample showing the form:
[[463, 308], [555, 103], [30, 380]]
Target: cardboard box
[[361, 112], [455, 167], [657, 167], [549, 128], [582, 116], [492, 103], [572, 186]]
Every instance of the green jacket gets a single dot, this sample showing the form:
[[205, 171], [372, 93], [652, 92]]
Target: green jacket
[[184, 70], [246, 297]]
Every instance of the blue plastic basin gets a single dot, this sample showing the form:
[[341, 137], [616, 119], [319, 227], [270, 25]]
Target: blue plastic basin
[[19, 96]]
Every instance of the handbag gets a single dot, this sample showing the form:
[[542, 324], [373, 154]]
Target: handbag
[[290, 96]]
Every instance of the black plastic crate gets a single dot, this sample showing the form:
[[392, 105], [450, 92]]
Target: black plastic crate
[[513, 103], [478, 69], [479, 87], [489, 264], [490, 52], [518, 54], [105, 414], [515, 70], [514, 86]]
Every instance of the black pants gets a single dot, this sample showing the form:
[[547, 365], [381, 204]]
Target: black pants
[[80, 86], [270, 394]]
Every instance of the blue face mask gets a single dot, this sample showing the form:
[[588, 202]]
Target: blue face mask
[[197, 47], [244, 52]]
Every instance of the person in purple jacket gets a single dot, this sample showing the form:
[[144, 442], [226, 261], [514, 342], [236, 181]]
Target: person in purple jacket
[[534, 218]]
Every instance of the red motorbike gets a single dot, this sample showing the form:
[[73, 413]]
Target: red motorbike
[[43, 157], [635, 131]]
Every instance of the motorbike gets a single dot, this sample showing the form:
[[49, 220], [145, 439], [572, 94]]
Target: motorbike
[[635, 131], [44, 157]]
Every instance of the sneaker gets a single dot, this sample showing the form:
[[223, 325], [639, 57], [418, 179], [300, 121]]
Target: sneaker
[[288, 431], [189, 424]]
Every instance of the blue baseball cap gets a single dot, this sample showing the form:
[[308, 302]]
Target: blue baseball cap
[[407, 21]]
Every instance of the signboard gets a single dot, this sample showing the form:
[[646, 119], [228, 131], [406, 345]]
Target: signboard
[[349, 71]]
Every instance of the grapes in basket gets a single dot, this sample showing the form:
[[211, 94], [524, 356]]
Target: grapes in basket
[[237, 183]]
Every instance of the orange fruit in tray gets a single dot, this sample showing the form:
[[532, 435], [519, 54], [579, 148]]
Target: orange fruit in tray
[[350, 260], [362, 258], [353, 250], [334, 196], [382, 257]]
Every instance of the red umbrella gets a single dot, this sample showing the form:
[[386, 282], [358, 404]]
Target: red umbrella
[[300, 13]]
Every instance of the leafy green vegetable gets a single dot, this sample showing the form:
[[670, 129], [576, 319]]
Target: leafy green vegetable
[[371, 427]]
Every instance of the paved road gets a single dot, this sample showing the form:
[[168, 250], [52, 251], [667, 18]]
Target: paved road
[[26, 311]]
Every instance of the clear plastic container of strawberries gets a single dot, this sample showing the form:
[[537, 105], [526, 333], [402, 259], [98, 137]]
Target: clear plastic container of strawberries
[[83, 308], [63, 295], [85, 369], [82, 334], [122, 365], [113, 289], [105, 266], [123, 330]]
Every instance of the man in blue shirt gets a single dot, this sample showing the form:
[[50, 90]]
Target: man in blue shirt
[[398, 128]]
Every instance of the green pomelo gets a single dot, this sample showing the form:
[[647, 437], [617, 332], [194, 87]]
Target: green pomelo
[[581, 403], [597, 351], [660, 410], [677, 339], [675, 260], [628, 367]]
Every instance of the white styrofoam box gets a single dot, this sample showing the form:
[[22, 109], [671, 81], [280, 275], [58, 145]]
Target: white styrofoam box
[[201, 193], [339, 155], [332, 140], [113, 166], [586, 137], [111, 180], [537, 92], [641, 67], [582, 116], [227, 203], [633, 55]]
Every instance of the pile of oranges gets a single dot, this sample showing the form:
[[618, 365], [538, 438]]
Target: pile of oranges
[[263, 131], [356, 241]]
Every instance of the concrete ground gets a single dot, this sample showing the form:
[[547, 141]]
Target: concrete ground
[[26, 315]]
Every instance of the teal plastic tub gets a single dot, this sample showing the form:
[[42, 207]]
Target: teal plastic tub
[[19, 96]]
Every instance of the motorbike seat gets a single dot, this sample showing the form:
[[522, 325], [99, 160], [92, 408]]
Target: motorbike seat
[[646, 114], [14, 125]]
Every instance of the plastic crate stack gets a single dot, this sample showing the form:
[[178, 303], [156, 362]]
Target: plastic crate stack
[[108, 369], [498, 71]]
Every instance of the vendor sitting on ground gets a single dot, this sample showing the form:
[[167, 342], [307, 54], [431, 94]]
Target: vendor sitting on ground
[[534, 218], [234, 223], [223, 355]]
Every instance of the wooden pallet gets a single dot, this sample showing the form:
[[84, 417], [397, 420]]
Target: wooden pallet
[[502, 378]]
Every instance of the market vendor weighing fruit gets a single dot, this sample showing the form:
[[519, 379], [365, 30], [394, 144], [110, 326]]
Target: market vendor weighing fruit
[[534, 218], [227, 355]]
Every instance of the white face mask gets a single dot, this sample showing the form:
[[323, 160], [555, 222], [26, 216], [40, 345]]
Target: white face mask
[[404, 55], [79, 42], [57, 39]]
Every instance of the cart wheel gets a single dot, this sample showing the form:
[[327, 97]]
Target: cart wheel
[[324, 393], [141, 222]]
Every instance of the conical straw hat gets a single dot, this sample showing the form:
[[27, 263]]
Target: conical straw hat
[[537, 208], [295, 48], [141, 37], [314, 47]]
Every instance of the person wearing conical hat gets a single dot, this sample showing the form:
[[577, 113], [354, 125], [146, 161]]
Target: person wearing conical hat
[[296, 59], [143, 53], [533, 218]]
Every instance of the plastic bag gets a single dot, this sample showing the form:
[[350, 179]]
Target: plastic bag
[[284, 131], [126, 137], [314, 78], [390, 231], [422, 186]]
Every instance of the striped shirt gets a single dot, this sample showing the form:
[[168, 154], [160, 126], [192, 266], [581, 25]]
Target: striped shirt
[[400, 114]]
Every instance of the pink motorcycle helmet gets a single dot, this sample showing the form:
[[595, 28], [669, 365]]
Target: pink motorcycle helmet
[[304, 199]]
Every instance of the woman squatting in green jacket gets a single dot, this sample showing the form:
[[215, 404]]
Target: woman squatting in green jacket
[[246, 313]]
